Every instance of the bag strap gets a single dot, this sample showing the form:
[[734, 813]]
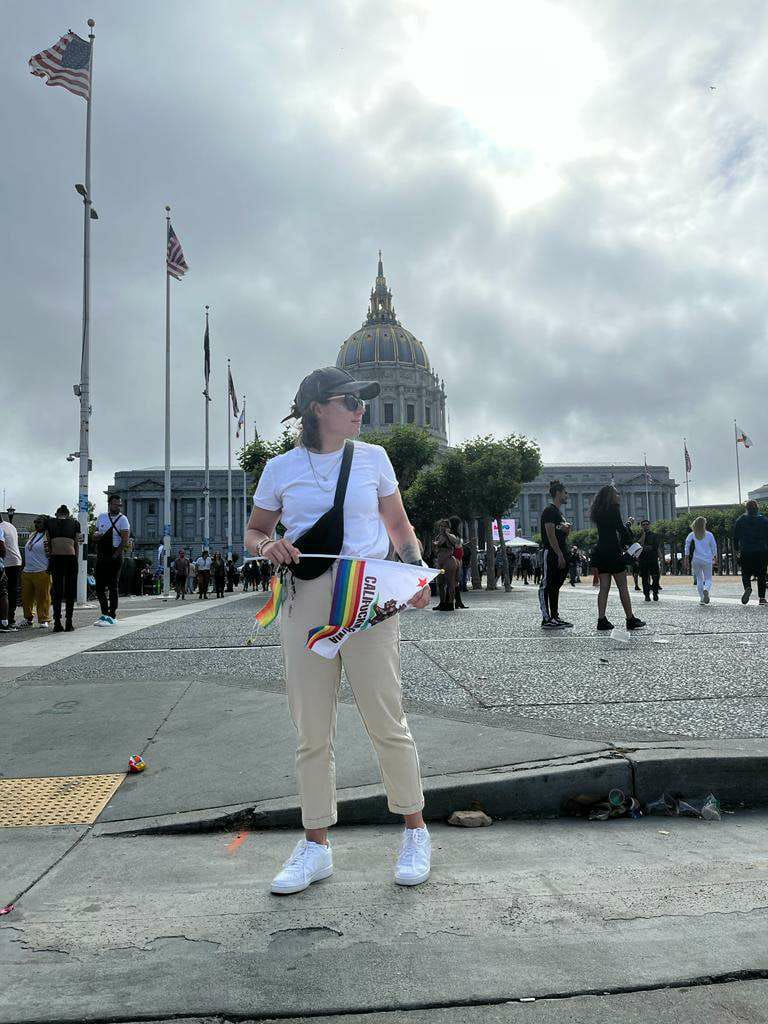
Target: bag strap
[[346, 465]]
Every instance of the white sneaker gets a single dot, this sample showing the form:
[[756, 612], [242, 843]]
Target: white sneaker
[[308, 863], [43, 625], [103, 620], [413, 862]]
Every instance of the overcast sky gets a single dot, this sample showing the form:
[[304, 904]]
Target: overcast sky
[[571, 199]]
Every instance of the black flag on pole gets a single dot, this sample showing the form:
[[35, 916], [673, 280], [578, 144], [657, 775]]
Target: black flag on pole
[[233, 396]]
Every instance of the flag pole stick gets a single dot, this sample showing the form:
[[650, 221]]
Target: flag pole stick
[[245, 496], [229, 465], [167, 494], [84, 388], [207, 487], [738, 470], [647, 495], [685, 459]]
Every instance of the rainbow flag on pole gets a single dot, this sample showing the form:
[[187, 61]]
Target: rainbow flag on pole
[[267, 615], [364, 594]]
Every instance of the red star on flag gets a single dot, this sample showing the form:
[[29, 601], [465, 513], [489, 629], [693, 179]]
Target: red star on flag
[[422, 583]]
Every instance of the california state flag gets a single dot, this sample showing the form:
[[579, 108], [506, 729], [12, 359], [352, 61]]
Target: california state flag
[[364, 594], [742, 438]]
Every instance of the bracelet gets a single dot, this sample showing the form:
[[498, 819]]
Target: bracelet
[[261, 545]]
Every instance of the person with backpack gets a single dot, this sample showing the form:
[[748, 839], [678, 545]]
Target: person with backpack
[[111, 536], [750, 538]]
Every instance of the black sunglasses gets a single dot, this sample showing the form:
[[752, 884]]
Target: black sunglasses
[[351, 402]]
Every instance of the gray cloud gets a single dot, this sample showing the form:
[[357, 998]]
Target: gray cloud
[[622, 310]]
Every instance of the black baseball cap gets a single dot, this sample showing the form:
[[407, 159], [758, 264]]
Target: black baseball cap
[[320, 385]]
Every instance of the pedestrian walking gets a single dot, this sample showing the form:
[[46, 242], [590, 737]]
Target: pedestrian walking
[[112, 533], [444, 545], [63, 541], [648, 561], [36, 579], [203, 566], [338, 496], [181, 574], [232, 575], [700, 552], [608, 555], [554, 557], [192, 578], [750, 538], [218, 574]]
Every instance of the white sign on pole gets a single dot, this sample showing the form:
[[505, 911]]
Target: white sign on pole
[[508, 526]]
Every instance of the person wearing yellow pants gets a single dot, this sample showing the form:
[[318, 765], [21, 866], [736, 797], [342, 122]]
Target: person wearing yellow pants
[[35, 578]]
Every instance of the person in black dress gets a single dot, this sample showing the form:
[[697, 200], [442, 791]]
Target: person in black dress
[[608, 558]]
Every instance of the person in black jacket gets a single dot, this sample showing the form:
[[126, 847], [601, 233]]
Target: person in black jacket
[[649, 560], [608, 556], [750, 538]]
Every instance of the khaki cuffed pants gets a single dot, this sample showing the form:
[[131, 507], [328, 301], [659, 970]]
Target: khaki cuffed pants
[[36, 592], [371, 661]]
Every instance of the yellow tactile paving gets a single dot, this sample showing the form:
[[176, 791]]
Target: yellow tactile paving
[[59, 800]]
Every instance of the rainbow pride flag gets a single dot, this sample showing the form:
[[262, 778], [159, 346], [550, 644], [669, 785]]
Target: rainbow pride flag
[[364, 594], [267, 615]]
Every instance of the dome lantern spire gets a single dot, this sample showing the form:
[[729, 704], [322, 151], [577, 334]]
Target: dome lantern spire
[[380, 308]]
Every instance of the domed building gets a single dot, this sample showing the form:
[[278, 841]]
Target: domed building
[[384, 350]]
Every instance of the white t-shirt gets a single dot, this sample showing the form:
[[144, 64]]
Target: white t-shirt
[[705, 550], [104, 524], [203, 563], [289, 484], [12, 553], [35, 558]]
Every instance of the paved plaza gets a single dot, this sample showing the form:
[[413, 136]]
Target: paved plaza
[[160, 907]]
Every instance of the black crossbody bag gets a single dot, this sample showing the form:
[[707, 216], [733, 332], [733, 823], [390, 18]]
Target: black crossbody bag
[[326, 536]]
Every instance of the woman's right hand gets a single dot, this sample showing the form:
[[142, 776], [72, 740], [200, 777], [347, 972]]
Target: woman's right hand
[[281, 552]]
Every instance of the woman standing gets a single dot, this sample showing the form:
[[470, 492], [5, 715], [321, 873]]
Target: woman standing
[[63, 537], [444, 546], [608, 558], [219, 574], [35, 578], [334, 497], [700, 554]]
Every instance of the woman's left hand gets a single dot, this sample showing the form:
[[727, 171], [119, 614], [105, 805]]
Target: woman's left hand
[[421, 600]]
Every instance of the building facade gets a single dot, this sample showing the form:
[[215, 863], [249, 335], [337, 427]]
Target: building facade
[[759, 494], [384, 350], [142, 492], [583, 483]]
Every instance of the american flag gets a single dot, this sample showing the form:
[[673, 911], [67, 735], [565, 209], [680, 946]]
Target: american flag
[[742, 438], [177, 265], [66, 63], [688, 463], [241, 421], [233, 395]]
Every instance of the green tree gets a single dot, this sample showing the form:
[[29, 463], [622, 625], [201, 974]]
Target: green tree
[[410, 449], [253, 456], [496, 470]]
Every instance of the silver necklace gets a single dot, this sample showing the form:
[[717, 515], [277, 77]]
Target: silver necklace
[[323, 477]]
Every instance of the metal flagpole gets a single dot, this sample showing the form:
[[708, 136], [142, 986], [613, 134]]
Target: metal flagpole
[[229, 465], [207, 487], [738, 471], [245, 496], [647, 496], [83, 389], [167, 497], [687, 489]]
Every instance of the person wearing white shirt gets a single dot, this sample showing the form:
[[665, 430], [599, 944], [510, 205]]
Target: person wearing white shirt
[[336, 496], [35, 578], [700, 553], [112, 534], [12, 566], [203, 566]]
